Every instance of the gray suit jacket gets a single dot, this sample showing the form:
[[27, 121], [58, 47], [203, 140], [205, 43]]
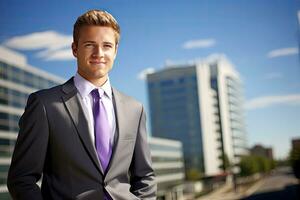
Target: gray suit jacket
[[53, 141]]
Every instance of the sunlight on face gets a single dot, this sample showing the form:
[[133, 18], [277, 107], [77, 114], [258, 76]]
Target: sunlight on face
[[95, 52]]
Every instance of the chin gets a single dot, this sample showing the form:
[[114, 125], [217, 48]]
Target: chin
[[100, 75]]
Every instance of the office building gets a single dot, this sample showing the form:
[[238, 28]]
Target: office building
[[17, 80], [259, 150], [296, 143], [201, 105], [168, 165]]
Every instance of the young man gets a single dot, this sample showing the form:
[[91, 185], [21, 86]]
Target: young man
[[87, 139]]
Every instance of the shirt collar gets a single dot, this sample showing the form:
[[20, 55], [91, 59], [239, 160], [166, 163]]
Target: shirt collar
[[85, 87]]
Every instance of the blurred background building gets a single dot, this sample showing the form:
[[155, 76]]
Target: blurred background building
[[294, 157], [17, 81], [201, 105], [296, 143], [168, 165], [260, 150]]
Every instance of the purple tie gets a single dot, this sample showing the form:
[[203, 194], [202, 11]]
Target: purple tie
[[101, 129]]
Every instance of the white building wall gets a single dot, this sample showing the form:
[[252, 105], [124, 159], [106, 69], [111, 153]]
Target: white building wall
[[19, 60], [12, 57], [174, 180], [207, 121], [226, 70]]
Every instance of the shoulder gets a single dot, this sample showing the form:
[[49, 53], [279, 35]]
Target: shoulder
[[56, 92], [37, 101], [48, 93], [130, 101]]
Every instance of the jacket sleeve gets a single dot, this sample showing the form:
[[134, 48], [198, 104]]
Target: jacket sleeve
[[143, 183], [30, 151]]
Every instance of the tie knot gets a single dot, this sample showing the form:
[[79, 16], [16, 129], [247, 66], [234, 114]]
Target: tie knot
[[97, 93]]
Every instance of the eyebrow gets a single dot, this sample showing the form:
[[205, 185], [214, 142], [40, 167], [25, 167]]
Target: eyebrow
[[93, 42], [106, 42], [89, 42]]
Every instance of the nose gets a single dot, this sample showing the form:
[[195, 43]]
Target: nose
[[98, 51]]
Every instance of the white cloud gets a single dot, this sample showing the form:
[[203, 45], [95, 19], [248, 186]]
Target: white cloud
[[143, 74], [283, 52], [267, 101], [63, 54], [273, 75], [201, 43], [40, 40], [52, 45]]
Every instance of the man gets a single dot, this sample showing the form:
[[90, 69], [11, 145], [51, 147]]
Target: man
[[87, 139]]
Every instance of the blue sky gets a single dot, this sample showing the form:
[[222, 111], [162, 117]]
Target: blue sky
[[260, 37]]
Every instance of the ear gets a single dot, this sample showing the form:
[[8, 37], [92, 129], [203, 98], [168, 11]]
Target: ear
[[74, 49]]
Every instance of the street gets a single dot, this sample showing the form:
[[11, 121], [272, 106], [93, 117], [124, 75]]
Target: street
[[281, 185]]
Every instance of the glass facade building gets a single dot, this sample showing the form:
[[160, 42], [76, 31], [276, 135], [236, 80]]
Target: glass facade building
[[173, 97], [17, 81], [200, 104]]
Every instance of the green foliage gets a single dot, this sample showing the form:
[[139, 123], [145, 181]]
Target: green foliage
[[248, 166], [282, 163], [194, 174], [295, 161], [253, 164], [226, 162]]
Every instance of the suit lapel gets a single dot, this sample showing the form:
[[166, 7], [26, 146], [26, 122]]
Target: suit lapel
[[76, 113], [119, 109]]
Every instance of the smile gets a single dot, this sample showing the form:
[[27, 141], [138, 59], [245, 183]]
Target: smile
[[97, 62]]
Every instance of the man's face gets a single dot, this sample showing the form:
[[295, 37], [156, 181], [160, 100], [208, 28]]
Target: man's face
[[95, 52]]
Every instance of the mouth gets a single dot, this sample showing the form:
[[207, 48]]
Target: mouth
[[97, 62]]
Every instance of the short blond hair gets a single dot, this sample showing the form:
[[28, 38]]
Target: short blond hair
[[97, 18]]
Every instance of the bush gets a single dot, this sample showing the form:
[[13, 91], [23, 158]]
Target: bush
[[193, 174], [253, 164]]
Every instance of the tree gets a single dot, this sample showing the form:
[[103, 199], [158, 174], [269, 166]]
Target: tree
[[226, 162], [295, 161], [253, 164], [248, 166], [194, 174]]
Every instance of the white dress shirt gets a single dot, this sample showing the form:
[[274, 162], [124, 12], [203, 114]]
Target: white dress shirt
[[84, 88]]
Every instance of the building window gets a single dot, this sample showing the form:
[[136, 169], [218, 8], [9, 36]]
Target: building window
[[165, 83]]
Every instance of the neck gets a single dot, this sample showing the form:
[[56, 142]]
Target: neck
[[98, 82]]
